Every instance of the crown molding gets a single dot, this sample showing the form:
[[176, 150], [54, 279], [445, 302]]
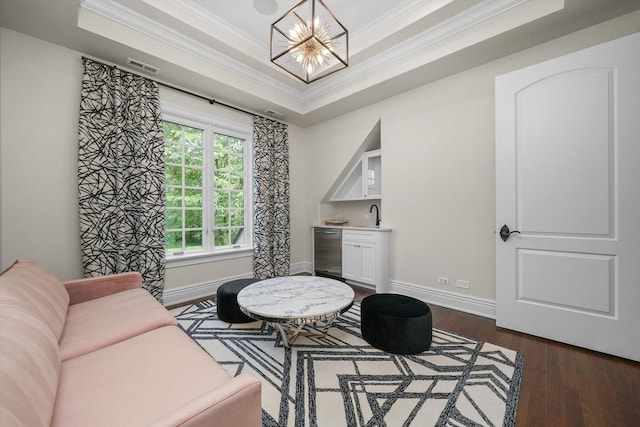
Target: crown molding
[[248, 44], [357, 77], [122, 15], [379, 28], [448, 28], [359, 39]]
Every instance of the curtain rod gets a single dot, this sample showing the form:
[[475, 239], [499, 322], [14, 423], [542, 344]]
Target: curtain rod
[[211, 101]]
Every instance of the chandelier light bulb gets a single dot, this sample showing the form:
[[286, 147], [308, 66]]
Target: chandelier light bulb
[[312, 52], [309, 42]]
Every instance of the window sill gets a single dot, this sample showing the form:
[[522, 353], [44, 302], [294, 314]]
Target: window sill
[[175, 261]]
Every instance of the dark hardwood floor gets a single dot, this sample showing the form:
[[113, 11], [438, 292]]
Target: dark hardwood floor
[[561, 385]]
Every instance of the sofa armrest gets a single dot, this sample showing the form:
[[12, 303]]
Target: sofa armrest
[[236, 403], [82, 290]]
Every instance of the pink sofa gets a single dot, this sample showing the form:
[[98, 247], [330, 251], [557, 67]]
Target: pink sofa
[[104, 352]]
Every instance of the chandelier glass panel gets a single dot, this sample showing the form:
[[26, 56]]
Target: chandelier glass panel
[[309, 42]]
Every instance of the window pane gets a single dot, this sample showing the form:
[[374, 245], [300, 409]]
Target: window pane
[[173, 218], [172, 131], [237, 236], [236, 145], [193, 177], [173, 240], [221, 199], [193, 155], [221, 218], [237, 182], [173, 153], [237, 199], [236, 163], [193, 218], [221, 237], [173, 197], [193, 135], [220, 143], [193, 239], [237, 218], [193, 198], [221, 160], [173, 175], [221, 180]]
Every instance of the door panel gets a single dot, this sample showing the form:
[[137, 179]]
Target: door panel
[[350, 260], [582, 282], [568, 179], [555, 201], [368, 263]]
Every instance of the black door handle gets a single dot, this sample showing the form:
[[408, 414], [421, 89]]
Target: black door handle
[[505, 233]]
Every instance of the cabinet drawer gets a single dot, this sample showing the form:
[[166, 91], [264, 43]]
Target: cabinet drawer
[[359, 236]]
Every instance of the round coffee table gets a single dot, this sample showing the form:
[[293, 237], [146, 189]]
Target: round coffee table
[[293, 302]]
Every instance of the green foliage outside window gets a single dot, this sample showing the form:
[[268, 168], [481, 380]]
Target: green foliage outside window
[[185, 202], [228, 190], [183, 170]]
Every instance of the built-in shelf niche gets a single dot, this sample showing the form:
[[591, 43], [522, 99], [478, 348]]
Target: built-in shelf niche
[[361, 178], [364, 182]]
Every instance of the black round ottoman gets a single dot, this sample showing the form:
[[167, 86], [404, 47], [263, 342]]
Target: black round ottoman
[[396, 323], [227, 301]]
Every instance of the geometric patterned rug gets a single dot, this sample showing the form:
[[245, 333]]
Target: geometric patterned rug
[[340, 380]]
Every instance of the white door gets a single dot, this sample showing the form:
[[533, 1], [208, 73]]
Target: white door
[[568, 179]]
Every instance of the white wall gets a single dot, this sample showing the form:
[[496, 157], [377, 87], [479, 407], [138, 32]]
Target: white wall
[[39, 114], [40, 86], [438, 162]]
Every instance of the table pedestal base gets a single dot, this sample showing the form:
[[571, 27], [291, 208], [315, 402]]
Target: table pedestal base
[[291, 331]]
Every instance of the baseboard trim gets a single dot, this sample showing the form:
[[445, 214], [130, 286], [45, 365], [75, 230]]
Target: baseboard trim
[[301, 267], [205, 289], [468, 304], [465, 303], [197, 290]]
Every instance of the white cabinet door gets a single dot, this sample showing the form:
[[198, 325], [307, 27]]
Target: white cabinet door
[[567, 162], [365, 258], [372, 168], [350, 260], [367, 263], [359, 261]]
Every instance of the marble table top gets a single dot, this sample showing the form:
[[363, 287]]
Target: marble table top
[[297, 299]]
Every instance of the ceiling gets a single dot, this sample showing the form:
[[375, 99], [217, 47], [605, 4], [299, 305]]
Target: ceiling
[[220, 48]]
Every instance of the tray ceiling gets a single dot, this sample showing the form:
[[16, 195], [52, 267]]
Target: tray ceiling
[[220, 48]]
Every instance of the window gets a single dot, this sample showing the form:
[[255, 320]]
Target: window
[[208, 197]]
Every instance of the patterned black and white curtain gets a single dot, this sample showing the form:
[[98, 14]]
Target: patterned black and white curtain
[[271, 257], [121, 175]]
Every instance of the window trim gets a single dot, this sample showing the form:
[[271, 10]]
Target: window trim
[[211, 125]]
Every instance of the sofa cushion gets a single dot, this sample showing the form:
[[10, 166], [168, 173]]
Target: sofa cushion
[[33, 284], [29, 364], [144, 380], [100, 322], [88, 288]]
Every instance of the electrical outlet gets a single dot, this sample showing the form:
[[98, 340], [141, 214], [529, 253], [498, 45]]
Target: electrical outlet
[[443, 280], [464, 284]]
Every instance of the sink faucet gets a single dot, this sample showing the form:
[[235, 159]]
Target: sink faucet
[[377, 214]]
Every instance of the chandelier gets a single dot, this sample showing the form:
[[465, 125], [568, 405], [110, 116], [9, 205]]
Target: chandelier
[[309, 42]]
